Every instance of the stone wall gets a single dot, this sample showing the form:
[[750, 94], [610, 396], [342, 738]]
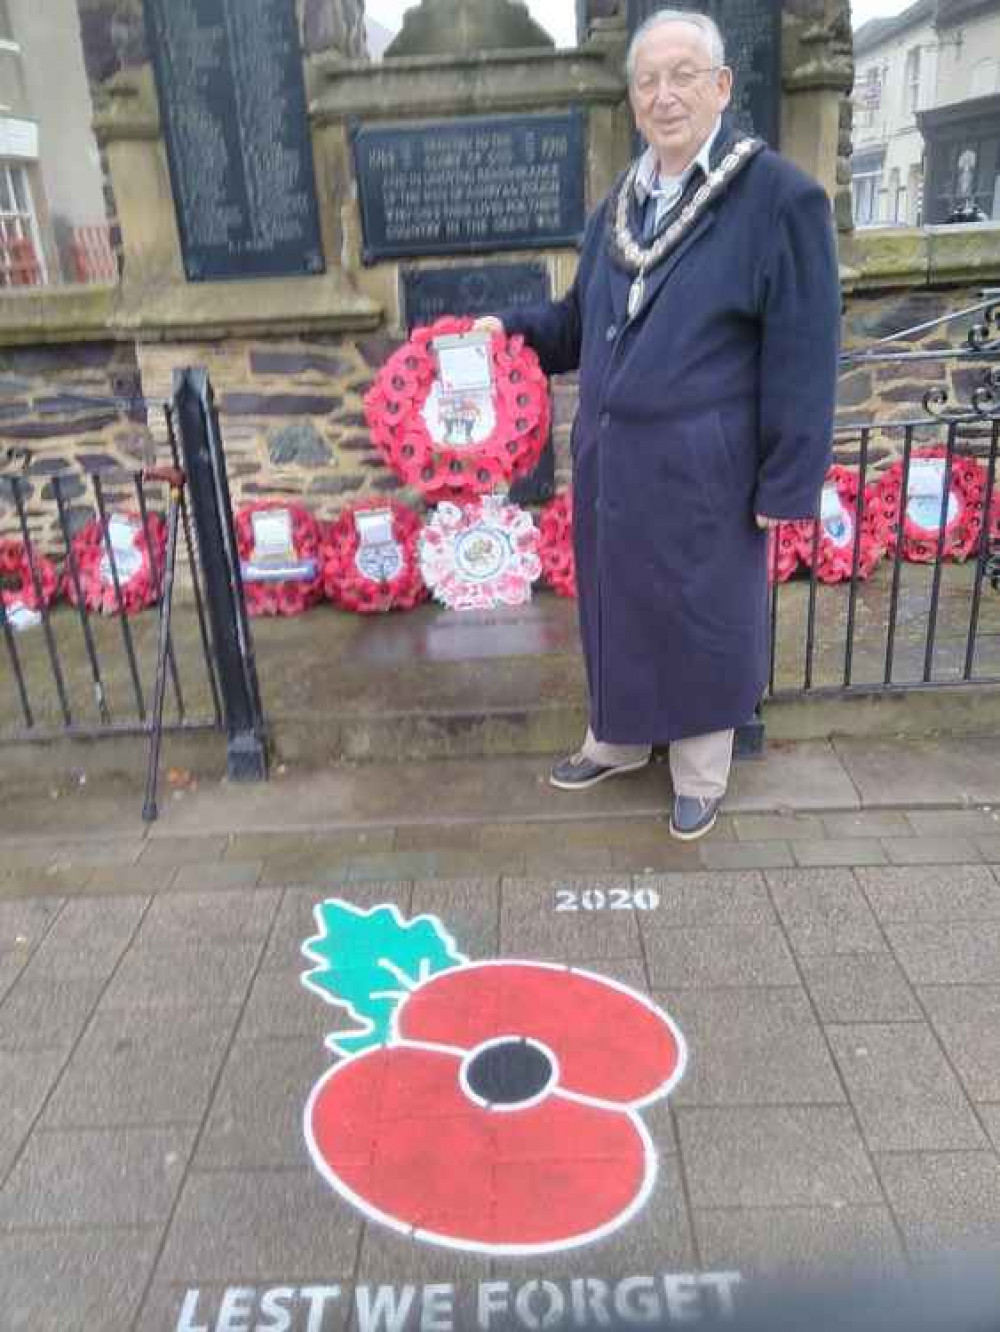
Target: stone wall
[[56, 403]]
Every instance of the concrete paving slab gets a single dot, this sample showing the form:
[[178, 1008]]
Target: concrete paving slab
[[74, 1281], [275, 845], [718, 955], [95, 1177], [179, 920], [47, 1013], [944, 1201], [948, 952], [318, 1233], [469, 909], [860, 988], [745, 855], [295, 921], [775, 1156], [906, 1096], [958, 770], [824, 912], [388, 1256], [964, 892], [931, 850], [751, 1047], [216, 876], [24, 923], [654, 858], [132, 1069], [724, 898], [806, 776], [567, 919], [131, 879], [866, 823], [967, 1021], [183, 850], [798, 1241], [200, 974], [94, 923], [256, 1117], [989, 849], [26, 1078], [955, 822], [11, 966], [777, 827], [846, 851], [990, 1115], [41, 883], [280, 1006]]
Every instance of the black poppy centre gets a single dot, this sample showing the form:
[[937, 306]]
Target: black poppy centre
[[509, 1073]]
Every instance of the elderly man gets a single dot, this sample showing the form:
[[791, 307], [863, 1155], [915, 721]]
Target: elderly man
[[704, 322]]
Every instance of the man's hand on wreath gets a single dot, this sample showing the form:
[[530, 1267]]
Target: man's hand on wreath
[[764, 522], [487, 324]]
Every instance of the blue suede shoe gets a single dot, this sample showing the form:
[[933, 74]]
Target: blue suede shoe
[[577, 772], [693, 816]]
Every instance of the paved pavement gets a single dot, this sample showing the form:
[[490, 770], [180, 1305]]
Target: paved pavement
[[831, 959]]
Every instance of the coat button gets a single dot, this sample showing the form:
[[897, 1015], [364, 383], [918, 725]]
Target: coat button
[[604, 420], [612, 332]]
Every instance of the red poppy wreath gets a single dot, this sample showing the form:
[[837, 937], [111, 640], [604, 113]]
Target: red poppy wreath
[[22, 590], [466, 436], [279, 549], [555, 548], [488, 1106], [924, 503], [129, 548], [838, 529], [782, 552], [371, 559]]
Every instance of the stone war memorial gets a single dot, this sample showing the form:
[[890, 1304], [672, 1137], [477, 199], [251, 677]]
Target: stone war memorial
[[286, 211]]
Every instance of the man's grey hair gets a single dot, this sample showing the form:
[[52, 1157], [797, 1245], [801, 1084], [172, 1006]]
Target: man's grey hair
[[708, 28]]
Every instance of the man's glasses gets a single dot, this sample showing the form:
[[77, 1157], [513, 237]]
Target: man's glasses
[[676, 80]]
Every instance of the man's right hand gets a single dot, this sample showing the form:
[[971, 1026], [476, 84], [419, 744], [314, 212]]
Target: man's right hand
[[487, 324]]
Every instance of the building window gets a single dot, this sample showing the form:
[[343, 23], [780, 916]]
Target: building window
[[914, 197], [869, 97], [865, 190], [911, 80], [21, 262]]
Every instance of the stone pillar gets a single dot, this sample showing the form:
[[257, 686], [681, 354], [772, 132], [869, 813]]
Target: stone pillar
[[817, 76], [467, 27], [114, 33], [333, 25]]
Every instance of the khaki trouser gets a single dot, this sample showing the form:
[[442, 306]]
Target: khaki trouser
[[699, 764]]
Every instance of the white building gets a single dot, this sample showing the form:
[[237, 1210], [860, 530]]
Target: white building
[[52, 211], [927, 114]]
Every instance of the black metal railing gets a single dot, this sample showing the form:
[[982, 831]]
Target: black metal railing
[[96, 641], [930, 620]]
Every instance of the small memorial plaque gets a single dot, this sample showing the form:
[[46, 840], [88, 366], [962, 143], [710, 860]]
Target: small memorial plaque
[[503, 182], [232, 98], [751, 30], [429, 293]]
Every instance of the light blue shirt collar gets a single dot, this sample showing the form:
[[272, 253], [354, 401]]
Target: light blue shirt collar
[[668, 189]]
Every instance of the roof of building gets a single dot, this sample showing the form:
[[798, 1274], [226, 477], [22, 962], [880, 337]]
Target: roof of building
[[876, 31]]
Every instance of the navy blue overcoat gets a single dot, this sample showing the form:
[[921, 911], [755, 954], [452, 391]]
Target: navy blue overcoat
[[714, 403]]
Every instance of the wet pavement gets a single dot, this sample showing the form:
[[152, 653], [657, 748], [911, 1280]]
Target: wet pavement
[[774, 1052]]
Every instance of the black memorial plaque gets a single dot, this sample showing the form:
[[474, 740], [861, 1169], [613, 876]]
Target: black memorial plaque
[[458, 186], [429, 293], [751, 30], [232, 98]]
